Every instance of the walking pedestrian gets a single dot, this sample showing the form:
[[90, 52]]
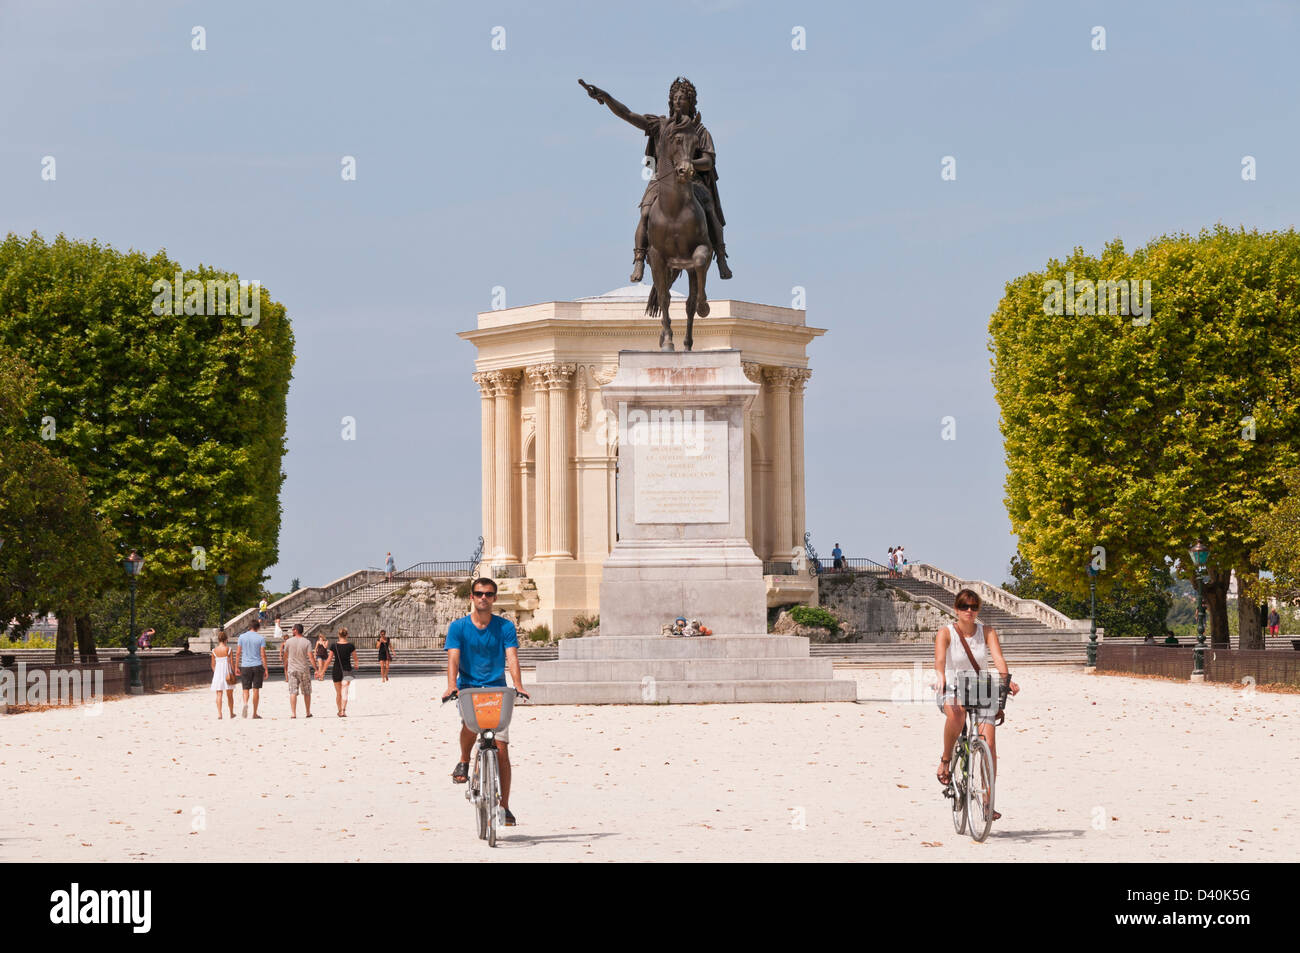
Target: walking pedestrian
[[1274, 621], [837, 555], [342, 658], [221, 667], [279, 632], [261, 611], [322, 653], [250, 662], [390, 566], [297, 670], [385, 653]]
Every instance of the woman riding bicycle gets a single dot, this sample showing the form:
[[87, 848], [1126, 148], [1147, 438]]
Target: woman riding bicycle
[[959, 650]]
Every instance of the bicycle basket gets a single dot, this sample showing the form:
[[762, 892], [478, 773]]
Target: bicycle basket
[[486, 709], [979, 691]]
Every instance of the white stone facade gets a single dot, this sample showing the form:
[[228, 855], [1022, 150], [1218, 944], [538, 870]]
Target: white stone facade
[[549, 447]]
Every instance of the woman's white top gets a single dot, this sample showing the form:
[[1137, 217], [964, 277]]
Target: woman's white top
[[957, 661]]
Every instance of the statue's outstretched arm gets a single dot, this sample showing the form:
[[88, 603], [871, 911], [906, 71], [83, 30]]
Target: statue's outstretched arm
[[617, 108]]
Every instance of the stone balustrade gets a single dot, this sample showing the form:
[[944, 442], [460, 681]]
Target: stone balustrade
[[998, 598]]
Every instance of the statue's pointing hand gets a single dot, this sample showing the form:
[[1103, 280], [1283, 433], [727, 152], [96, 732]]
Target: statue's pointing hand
[[595, 92]]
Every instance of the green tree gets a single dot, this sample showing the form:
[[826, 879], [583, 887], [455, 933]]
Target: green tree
[[54, 554], [175, 420], [1142, 436], [1279, 532]]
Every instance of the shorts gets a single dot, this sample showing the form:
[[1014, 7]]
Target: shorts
[[501, 736], [345, 677], [251, 677], [986, 716], [300, 683]]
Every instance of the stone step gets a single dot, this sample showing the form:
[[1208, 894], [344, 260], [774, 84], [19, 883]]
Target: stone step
[[724, 647], [655, 692], [684, 670]]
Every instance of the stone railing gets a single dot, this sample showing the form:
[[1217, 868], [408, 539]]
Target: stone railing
[[312, 595], [999, 598]]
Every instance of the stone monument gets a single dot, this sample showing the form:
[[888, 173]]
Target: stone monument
[[681, 551]]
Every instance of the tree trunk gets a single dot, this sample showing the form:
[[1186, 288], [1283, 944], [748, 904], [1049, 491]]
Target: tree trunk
[[63, 641], [86, 640], [1216, 606], [1250, 632]]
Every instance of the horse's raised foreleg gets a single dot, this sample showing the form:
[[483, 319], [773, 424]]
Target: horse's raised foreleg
[[659, 271], [703, 256]]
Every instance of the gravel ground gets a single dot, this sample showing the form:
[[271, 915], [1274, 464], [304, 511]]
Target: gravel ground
[[1094, 768]]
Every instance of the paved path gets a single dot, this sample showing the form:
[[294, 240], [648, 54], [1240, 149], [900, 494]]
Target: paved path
[[1170, 771]]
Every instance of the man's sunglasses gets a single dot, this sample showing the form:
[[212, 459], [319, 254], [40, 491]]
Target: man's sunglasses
[[966, 605], [485, 595]]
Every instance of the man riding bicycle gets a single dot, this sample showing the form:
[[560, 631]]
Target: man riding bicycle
[[479, 647]]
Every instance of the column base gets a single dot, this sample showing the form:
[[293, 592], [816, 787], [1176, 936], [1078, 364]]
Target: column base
[[1198, 678]]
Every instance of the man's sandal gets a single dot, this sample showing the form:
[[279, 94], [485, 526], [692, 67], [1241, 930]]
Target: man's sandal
[[461, 774], [944, 775]]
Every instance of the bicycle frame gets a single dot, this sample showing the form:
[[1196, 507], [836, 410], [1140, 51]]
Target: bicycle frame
[[486, 711], [971, 759]]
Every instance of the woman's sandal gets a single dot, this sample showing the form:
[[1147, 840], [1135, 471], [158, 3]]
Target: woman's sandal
[[944, 775]]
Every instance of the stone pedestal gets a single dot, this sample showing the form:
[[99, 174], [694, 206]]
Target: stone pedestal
[[681, 547], [681, 551]]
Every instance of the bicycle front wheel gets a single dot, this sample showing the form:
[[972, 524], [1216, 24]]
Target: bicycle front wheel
[[979, 793], [476, 790], [957, 767], [491, 795]]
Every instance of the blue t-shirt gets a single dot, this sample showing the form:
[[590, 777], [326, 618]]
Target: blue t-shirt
[[482, 653], [252, 645], [836, 553]]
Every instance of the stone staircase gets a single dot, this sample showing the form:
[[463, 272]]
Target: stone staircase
[[1032, 623], [631, 670]]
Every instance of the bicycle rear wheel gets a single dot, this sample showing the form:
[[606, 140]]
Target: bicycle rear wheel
[[979, 793], [957, 767], [491, 795]]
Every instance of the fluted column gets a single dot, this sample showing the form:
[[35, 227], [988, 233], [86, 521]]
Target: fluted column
[[778, 381], [754, 372], [799, 379], [559, 378], [506, 389], [542, 450], [488, 441]]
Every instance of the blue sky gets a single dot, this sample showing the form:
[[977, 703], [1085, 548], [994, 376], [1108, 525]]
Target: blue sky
[[479, 167]]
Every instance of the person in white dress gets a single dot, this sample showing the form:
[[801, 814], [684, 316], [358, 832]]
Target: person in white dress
[[951, 661], [220, 669]]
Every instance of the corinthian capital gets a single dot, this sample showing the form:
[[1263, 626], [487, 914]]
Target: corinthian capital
[[484, 381], [753, 370], [799, 379], [780, 377], [559, 375]]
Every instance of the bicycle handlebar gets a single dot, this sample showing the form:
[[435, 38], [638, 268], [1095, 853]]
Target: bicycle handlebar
[[519, 693]]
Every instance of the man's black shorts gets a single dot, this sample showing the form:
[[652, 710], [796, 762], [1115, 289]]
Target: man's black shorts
[[251, 677]]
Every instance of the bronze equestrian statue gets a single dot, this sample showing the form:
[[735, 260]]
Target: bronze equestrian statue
[[681, 222]]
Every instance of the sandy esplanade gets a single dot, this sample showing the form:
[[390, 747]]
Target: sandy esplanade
[[1093, 768]]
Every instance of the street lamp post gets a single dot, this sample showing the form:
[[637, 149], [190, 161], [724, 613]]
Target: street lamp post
[[134, 562], [222, 579], [1092, 616], [1200, 554]]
